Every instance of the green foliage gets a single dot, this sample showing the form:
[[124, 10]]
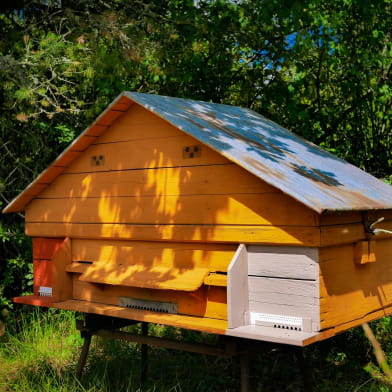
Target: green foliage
[[39, 351], [322, 69]]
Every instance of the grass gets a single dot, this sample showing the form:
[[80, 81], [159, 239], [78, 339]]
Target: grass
[[40, 349]]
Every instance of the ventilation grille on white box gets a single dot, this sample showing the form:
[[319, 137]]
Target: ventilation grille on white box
[[152, 306], [291, 323], [45, 291]]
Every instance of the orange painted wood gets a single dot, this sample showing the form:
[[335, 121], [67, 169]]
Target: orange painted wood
[[125, 101], [34, 191], [139, 123], [288, 235], [338, 218], [377, 314], [121, 106], [235, 209], [62, 281], [82, 143], [374, 215], [96, 129], [155, 277], [144, 153], [204, 302], [108, 117], [44, 248], [195, 323], [342, 234], [35, 300], [50, 174], [213, 179], [364, 252], [43, 274], [349, 291], [215, 257], [213, 279], [66, 158], [216, 280]]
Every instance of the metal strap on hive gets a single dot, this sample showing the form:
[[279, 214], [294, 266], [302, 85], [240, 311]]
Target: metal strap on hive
[[152, 306]]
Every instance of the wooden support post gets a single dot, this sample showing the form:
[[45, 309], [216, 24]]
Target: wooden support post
[[83, 354], [144, 356], [244, 361]]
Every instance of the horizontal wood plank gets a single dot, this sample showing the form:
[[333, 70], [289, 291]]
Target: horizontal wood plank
[[350, 291], [289, 235], [283, 262], [154, 277], [283, 291], [144, 153], [237, 209], [180, 321], [197, 180], [177, 255], [342, 234], [340, 218], [35, 300], [204, 302]]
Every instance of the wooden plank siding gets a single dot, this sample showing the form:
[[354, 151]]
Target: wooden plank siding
[[216, 257], [350, 291], [267, 234], [284, 281], [136, 182], [207, 301], [209, 325]]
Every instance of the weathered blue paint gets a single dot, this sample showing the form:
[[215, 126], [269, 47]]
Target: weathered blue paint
[[299, 168]]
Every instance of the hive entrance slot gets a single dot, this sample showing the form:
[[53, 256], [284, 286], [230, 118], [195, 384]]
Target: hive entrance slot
[[291, 323], [45, 291], [152, 306]]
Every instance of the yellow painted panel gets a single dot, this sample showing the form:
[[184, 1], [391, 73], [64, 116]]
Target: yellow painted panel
[[216, 280], [349, 291], [204, 302], [138, 123], [155, 277], [143, 153], [173, 255], [213, 179], [235, 209], [288, 235]]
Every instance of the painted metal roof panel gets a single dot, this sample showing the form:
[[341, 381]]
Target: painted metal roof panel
[[299, 168]]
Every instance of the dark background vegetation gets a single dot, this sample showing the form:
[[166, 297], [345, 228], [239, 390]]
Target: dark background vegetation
[[320, 68]]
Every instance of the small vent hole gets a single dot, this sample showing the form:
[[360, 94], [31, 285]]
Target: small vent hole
[[97, 160], [189, 152]]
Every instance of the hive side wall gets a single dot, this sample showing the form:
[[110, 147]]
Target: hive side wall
[[352, 293], [146, 180]]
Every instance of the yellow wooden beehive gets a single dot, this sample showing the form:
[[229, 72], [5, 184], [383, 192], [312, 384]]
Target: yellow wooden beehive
[[212, 218]]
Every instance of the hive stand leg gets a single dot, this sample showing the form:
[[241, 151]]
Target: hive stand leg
[[144, 356], [83, 354], [244, 362], [299, 353], [89, 327]]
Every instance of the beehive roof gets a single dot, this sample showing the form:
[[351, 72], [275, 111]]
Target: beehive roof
[[297, 167]]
